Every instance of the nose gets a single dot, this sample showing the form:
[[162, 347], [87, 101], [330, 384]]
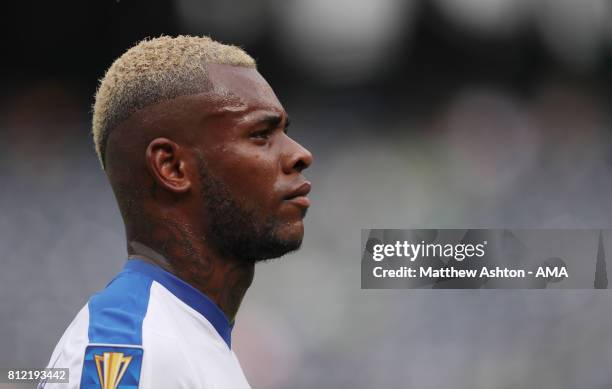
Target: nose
[[297, 157]]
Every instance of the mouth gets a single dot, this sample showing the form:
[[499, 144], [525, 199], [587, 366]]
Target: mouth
[[298, 195]]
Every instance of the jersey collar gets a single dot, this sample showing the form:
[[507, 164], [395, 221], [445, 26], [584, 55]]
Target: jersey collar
[[187, 294]]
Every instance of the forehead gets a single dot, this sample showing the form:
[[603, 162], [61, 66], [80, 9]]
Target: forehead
[[241, 90]]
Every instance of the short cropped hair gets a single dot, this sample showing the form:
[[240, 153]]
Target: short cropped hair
[[152, 71]]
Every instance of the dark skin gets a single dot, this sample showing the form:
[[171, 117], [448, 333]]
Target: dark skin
[[238, 127]]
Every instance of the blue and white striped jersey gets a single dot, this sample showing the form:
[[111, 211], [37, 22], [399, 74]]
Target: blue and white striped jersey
[[148, 329]]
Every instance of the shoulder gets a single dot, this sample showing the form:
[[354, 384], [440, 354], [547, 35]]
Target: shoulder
[[106, 335], [136, 333], [116, 314], [115, 332], [69, 350]]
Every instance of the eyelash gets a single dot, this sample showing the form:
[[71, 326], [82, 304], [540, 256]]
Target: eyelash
[[264, 134]]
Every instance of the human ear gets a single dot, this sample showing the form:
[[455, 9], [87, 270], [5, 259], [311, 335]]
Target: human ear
[[165, 160]]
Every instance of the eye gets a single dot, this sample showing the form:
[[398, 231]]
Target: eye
[[261, 135]]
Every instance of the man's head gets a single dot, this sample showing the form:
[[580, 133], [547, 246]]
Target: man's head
[[194, 139]]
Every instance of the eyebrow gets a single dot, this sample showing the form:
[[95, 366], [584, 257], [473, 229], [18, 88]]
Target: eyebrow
[[273, 120]]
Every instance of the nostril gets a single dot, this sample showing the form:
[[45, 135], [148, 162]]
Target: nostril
[[300, 165]]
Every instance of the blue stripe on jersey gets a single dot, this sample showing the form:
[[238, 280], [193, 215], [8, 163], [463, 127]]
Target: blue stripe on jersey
[[116, 313], [186, 293]]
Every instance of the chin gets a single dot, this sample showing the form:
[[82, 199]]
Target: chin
[[292, 232], [286, 240]]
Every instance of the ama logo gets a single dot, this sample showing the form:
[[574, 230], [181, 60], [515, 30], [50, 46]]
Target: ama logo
[[553, 273], [553, 270]]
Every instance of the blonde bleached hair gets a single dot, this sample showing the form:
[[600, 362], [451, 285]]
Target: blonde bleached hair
[[153, 71]]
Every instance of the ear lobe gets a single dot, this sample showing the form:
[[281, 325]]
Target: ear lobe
[[165, 160]]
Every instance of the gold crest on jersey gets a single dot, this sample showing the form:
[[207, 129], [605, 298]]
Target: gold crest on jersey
[[111, 368]]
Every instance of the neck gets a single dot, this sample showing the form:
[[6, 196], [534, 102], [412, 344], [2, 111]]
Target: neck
[[223, 280]]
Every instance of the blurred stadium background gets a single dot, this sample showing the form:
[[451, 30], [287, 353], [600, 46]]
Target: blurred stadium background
[[431, 113]]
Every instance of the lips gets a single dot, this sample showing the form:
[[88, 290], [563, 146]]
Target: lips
[[298, 195]]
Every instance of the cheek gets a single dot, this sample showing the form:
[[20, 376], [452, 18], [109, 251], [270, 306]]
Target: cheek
[[251, 178]]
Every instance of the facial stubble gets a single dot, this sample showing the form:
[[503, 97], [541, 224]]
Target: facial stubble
[[237, 230]]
